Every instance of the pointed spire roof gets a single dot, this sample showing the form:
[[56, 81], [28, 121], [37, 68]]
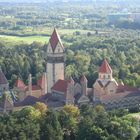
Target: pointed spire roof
[[20, 84], [83, 79], [105, 67], [55, 39], [41, 81], [3, 79]]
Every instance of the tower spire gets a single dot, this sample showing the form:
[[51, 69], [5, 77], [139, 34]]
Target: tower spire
[[55, 39], [55, 60], [105, 67]]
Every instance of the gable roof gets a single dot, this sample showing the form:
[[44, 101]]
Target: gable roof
[[3, 79], [55, 39], [20, 84], [105, 67], [60, 85]]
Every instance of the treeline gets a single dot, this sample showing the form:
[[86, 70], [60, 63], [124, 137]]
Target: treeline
[[69, 123], [84, 55]]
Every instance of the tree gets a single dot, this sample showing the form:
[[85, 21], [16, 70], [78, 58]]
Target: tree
[[50, 127], [41, 107]]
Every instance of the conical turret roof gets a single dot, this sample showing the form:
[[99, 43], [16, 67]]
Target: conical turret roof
[[105, 67]]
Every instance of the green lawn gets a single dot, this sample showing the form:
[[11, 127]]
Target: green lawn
[[13, 40], [16, 40]]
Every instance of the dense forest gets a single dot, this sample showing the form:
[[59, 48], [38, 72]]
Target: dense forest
[[88, 37], [70, 123], [84, 55]]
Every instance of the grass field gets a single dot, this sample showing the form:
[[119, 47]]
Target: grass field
[[17, 40], [14, 40]]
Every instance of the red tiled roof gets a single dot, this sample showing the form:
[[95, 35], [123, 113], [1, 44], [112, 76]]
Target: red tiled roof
[[122, 92], [119, 95], [55, 39], [105, 67], [122, 88], [20, 84], [3, 79], [35, 87], [61, 85], [83, 79]]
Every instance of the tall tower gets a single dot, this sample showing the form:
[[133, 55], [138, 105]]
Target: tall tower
[[55, 60]]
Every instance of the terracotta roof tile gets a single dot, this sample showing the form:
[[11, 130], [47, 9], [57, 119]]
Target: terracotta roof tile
[[61, 85], [55, 39], [123, 88], [105, 67], [35, 87], [119, 95], [20, 84]]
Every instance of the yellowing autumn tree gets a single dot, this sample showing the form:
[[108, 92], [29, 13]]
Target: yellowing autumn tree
[[41, 107]]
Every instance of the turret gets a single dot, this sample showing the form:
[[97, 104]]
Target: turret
[[70, 92], [43, 83], [84, 82], [105, 71]]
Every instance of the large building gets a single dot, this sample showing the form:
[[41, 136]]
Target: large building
[[56, 91], [111, 94]]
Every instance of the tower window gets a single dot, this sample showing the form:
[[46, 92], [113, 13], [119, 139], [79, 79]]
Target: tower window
[[104, 76]]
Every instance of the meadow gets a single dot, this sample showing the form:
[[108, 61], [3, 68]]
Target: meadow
[[16, 40]]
